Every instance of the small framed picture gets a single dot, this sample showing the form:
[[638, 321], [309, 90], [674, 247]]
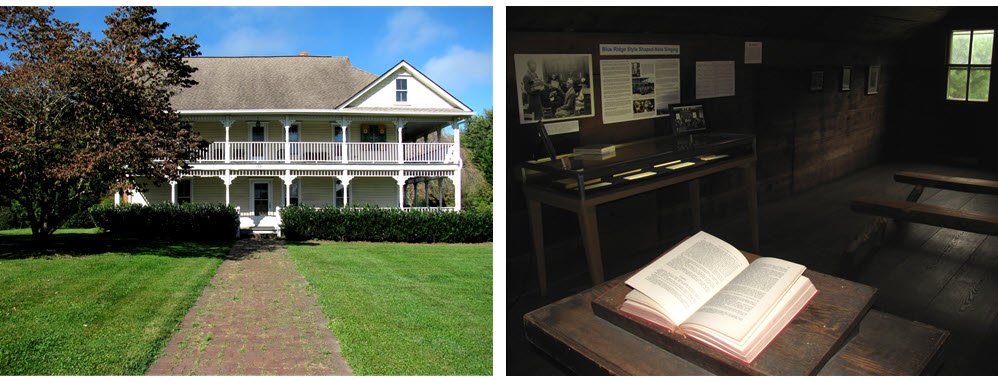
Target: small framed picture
[[846, 79], [872, 78], [817, 80]]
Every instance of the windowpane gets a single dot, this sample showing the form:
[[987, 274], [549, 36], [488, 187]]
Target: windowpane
[[400, 84], [960, 48], [981, 52], [980, 78], [957, 88], [295, 194], [400, 96]]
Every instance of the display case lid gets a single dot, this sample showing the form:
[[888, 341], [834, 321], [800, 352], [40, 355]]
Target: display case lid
[[636, 154]]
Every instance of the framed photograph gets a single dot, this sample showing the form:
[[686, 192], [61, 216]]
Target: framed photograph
[[872, 78], [817, 80], [846, 78], [688, 118], [554, 87]]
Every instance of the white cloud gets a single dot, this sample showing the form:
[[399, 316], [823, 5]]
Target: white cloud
[[460, 68], [246, 41], [412, 29]]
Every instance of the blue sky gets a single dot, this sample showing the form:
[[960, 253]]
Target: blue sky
[[451, 45]]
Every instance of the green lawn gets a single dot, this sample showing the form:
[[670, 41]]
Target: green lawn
[[88, 304], [405, 309]]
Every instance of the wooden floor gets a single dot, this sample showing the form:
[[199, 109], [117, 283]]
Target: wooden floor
[[942, 277]]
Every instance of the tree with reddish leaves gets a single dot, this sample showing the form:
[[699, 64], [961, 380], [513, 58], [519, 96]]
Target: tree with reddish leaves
[[82, 118]]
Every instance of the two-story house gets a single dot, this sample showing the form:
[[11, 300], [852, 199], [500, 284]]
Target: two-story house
[[314, 130]]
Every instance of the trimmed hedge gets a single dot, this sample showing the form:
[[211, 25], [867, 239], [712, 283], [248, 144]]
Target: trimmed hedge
[[371, 224], [167, 220]]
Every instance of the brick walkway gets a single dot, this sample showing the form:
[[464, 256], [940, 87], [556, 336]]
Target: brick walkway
[[254, 318]]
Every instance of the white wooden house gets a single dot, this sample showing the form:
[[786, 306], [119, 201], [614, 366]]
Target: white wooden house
[[314, 130]]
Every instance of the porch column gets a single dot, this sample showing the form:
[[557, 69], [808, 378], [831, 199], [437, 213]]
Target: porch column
[[117, 198], [346, 186], [173, 191], [288, 179], [227, 180], [456, 179], [440, 187], [287, 121], [400, 179], [344, 124], [457, 138], [400, 124], [227, 122]]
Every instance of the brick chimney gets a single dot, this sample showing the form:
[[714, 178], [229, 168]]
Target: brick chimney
[[303, 53]]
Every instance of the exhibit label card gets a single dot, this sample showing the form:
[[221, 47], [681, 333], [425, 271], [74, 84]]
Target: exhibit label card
[[637, 50], [715, 79], [753, 52], [638, 89]]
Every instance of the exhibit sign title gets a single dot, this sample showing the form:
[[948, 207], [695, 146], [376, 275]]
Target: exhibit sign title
[[637, 49]]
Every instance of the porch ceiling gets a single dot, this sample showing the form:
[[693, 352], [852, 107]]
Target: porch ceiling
[[418, 129]]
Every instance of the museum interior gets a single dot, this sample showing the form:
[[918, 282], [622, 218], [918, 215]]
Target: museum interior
[[859, 142]]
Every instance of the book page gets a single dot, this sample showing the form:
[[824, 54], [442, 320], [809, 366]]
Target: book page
[[739, 306], [684, 278]]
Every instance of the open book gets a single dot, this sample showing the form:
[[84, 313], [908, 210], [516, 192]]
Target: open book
[[705, 289]]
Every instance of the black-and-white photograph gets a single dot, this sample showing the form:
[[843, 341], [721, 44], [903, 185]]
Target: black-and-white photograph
[[817, 80], [554, 87], [846, 78], [688, 118], [635, 69], [643, 106], [642, 85], [872, 77]]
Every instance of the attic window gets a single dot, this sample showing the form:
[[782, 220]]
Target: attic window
[[970, 65], [401, 90]]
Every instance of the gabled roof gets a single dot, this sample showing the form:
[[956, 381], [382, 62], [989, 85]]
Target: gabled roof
[[271, 82], [419, 76]]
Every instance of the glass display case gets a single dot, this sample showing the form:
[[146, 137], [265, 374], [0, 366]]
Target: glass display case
[[635, 162]]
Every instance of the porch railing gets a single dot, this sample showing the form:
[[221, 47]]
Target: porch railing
[[358, 152]]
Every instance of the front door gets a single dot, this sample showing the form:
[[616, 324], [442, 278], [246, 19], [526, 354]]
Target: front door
[[261, 198]]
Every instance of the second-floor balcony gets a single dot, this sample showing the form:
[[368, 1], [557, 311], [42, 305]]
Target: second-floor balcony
[[329, 152]]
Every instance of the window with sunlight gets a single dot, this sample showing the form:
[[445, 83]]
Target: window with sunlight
[[970, 65]]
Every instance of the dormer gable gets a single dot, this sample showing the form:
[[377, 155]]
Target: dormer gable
[[403, 87]]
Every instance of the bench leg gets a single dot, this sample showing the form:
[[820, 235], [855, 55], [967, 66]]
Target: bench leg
[[915, 193], [874, 232]]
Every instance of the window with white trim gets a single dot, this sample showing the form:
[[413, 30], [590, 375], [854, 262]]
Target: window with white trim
[[338, 200], [185, 191], [295, 195], [401, 90], [969, 76]]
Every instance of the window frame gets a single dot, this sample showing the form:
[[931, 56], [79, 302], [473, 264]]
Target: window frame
[[401, 90], [969, 66], [294, 192], [190, 191]]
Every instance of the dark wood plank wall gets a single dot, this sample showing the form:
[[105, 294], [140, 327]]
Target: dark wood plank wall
[[805, 138]]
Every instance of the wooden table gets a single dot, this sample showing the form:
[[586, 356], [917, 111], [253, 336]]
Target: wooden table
[[586, 209], [569, 331]]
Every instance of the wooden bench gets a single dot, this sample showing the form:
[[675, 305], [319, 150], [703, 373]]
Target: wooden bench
[[910, 210], [972, 221]]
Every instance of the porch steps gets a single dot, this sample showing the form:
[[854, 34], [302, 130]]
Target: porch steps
[[261, 231]]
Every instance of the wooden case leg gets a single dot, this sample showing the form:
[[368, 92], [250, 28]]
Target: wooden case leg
[[590, 240], [537, 229], [753, 205], [695, 204]]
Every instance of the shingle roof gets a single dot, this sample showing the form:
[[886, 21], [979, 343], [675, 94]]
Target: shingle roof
[[272, 82]]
